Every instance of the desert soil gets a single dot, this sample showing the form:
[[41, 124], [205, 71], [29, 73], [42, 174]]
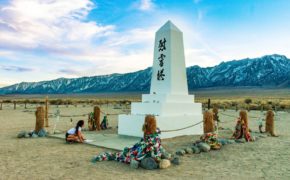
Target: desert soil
[[49, 158]]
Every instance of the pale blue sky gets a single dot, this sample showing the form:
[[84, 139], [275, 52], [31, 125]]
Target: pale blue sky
[[48, 39]]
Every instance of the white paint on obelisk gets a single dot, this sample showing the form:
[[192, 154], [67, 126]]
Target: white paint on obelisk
[[168, 99], [174, 65]]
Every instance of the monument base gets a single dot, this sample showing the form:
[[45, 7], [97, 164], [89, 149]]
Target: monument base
[[131, 125]]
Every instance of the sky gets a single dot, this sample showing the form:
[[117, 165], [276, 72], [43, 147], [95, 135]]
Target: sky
[[49, 39]]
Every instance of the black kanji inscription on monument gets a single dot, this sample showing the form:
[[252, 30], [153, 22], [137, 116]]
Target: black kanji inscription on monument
[[161, 45], [160, 75], [161, 59]]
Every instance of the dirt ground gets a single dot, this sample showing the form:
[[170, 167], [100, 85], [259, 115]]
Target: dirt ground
[[49, 158]]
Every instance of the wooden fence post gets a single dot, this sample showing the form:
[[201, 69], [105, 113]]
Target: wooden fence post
[[270, 123], [208, 122], [14, 102], [46, 112], [25, 103], [97, 117], [1, 105], [39, 119], [215, 111], [208, 104]]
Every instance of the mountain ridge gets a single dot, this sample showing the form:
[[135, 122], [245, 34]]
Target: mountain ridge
[[266, 71]]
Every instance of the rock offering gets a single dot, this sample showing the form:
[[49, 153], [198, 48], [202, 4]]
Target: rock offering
[[180, 152], [164, 163], [148, 163], [134, 164], [188, 150], [231, 141], [240, 140], [34, 135], [223, 141], [175, 161], [21, 134], [42, 133], [195, 150], [166, 155], [203, 147]]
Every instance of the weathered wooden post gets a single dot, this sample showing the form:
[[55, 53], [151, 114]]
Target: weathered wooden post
[[208, 123], [25, 103], [90, 124], [1, 105], [236, 107], [39, 118], [97, 117], [215, 114], [208, 104], [14, 102], [46, 112], [270, 122]]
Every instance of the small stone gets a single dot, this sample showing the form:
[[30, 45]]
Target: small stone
[[166, 155], [42, 133], [175, 161], [30, 133], [262, 136], [253, 138], [34, 135], [240, 140], [230, 141], [148, 163], [223, 141], [21, 134], [203, 147], [164, 163], [96, 159], [195, 150], [180, 152], [188, 150], [134, 164], [57, 132]]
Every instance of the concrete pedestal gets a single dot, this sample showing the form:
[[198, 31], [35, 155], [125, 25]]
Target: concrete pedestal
[[131, 125], [172, 112]]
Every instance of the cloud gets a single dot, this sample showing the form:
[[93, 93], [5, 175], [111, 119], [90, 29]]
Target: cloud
[[200, 56], [16, 68], [56, 26], [6, 53], [2, 85], [60, 29], [56, 38], [144, 5], [70, 72]]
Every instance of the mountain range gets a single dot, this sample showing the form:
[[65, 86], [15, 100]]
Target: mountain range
[[267, 71]]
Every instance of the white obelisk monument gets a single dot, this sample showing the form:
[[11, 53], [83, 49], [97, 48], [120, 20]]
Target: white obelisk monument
[[169, 101]]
